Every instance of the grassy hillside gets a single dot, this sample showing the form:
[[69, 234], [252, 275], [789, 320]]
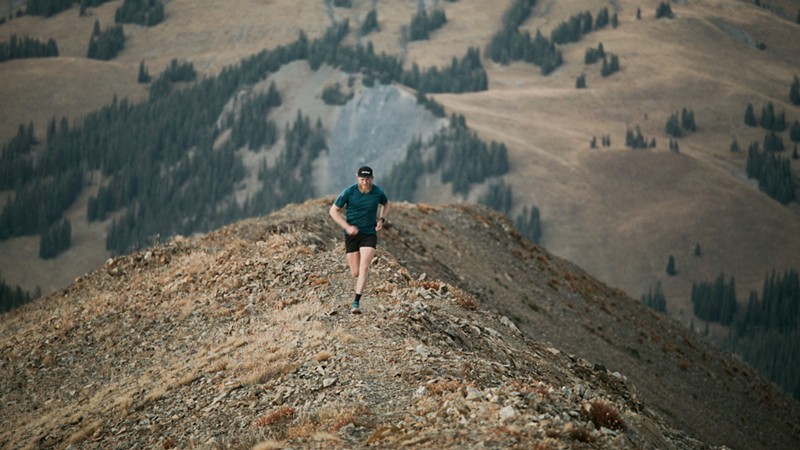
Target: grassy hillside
[[616, 212]]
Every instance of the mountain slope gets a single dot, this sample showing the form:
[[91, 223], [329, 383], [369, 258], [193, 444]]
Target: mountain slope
[[243, 336]]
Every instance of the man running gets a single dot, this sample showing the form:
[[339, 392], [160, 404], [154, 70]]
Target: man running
[[361, 224]]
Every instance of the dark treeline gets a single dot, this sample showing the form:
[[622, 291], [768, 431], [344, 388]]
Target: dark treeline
[[774, 174], [592, 55], [794, 89], [677, 124], [370, 23], [770, 120], [664, 10], [465, 75], [40, 203], [85, 4], [499, 197], [654, 298], [529, 223], [47, 8], [510, 44], [27, 47], [11, 297], [106, 44], [55, 239], [422, 24], [578, 25], [160, 164], [715, 301], [332, 95], [16, 160], [767, 332], [142, 12], [287, 180], [463, 158], [635, 139]]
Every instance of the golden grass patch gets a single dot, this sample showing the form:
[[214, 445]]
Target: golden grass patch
[[86, 432]]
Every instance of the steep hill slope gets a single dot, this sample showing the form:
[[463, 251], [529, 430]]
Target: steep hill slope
[[615, 213], [243, 337]]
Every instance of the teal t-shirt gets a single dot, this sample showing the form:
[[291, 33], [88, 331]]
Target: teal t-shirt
[[362, 209]]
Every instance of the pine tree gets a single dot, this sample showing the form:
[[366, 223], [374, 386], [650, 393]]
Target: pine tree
[[580, 83], [794, 91], [750, 116], [144, 74], [671, 266], [697, 250]]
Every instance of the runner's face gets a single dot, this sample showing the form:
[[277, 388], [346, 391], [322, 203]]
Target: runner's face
[[364, 184]]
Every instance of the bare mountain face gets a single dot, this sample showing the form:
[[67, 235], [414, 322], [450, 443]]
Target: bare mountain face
[[471, 336]]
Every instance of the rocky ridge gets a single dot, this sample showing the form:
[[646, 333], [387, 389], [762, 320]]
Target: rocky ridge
[[242, 339]]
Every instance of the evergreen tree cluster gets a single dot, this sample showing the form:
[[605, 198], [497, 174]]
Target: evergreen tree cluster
[[499, 197], [578, 25], [332, 95], [430, 104], [610, 65], [27, 47], [655, 298], [158, 160], [464, 75], [12, 297], [794, 90], [16, 160], [39, 203], [251, 128], [105, 45], [580, 83], [343, 3], [55, 239], [664, 10], [370, 23], [794, 132], [463, 158], [176, 72], [288, 180], [47, 8], [144, 74], [674, 147], [677, 124], [85, 4], [774, 174], [593, 55], [529, 223], [715, 301], [605, 141], [767, 332], [510, 44], [143, 12], [422, 24], [635, 139]]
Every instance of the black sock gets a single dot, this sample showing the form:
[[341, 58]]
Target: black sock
[[358, 298]]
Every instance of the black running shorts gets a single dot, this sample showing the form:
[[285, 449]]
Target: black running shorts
[[353, 243]]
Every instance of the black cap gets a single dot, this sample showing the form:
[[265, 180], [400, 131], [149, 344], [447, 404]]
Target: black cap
[[365, 172]]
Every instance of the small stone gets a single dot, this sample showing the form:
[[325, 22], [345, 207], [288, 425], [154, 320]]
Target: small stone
[[328, 382], [507, 412]]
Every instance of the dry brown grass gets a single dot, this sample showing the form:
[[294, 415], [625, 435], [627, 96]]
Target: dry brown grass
[[275, 416], [602, 414], [85, 432]]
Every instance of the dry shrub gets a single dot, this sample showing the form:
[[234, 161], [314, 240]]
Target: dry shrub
[[440, 387], [602, 414], [86, 432], [269, 372], [582, 434], [323, 356], [273, 417], [342, 422], [425, 208]]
